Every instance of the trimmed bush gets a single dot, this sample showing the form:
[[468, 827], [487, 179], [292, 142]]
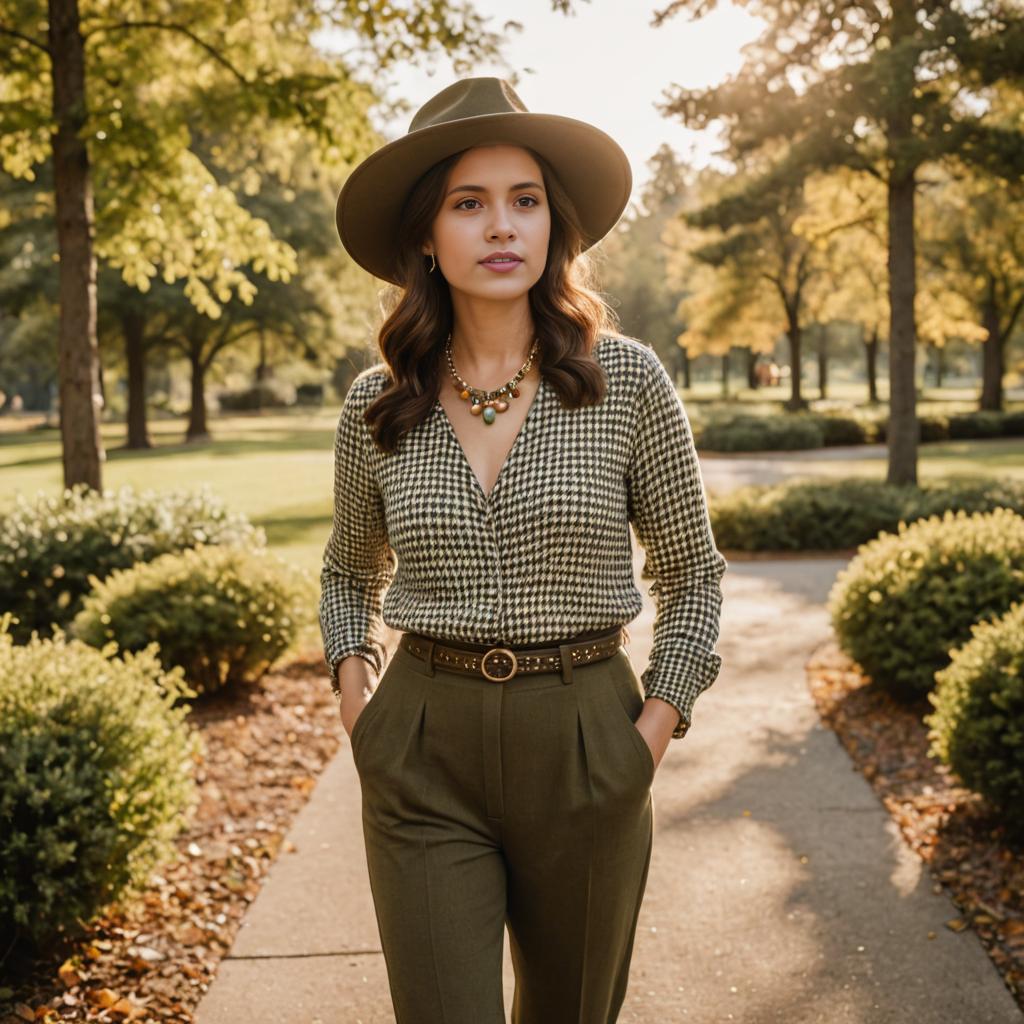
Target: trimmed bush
[[95, 781], [748, 432], [804, 515], [1013, 424], [971, 425], [843, 430], [745, 433], [309, 394], [907, 599], [823, 514], [223, 614], [977, 727], [967, 494], [934, 426], [51, 546]]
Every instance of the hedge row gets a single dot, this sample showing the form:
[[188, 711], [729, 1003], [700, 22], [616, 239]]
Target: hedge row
[[826, 514], [50, 546], [745, 432]]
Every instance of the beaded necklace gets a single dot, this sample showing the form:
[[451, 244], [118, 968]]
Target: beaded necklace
[[487, 404]]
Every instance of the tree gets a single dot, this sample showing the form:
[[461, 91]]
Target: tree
[[287, 315], [779, 238], [111, 80], [634, 258], [881, 89], [974, 241]]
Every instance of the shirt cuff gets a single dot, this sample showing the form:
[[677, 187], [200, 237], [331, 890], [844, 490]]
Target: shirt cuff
[[679, 678], [683, 724], [368, 652]]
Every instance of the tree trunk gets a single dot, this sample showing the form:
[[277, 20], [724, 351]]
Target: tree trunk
[[261, 366], [871, 355], [751, 369], [77, 349], [903, 431], [197, 411], [992, 361], [796, 400], [133, 326], [940, 364], [725, 375], [687, 380], [822, 362]]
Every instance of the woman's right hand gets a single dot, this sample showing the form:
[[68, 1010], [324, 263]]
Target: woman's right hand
[[356, 680]]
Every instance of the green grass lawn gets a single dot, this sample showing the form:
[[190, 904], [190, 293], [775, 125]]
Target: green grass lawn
[[277, 469]]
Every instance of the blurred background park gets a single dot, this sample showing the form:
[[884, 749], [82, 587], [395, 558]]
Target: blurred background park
[[817, 225], [824, 244]]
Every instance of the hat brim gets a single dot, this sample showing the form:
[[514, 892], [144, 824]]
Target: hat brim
[[590, 164]]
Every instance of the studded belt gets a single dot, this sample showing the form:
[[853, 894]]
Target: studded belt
[[500, 664]]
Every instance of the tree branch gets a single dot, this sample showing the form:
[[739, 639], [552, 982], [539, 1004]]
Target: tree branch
[[170, 27], [14, 33]]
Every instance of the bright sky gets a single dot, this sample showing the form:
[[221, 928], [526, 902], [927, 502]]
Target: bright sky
[[605, 65]]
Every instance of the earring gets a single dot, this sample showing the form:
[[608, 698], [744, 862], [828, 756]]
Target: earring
[[433, 264]]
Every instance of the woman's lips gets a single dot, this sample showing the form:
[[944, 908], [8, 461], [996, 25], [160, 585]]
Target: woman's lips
[[502, 267]]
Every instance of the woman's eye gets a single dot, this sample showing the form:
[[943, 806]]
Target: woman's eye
[[461, 205]]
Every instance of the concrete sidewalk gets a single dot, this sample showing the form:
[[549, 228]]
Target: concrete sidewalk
[[779, 889]]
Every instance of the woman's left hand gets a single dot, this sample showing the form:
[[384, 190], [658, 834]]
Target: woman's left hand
[[656, 724]]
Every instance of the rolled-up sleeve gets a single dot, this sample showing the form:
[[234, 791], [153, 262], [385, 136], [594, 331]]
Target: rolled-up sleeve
[[358, 562], [669, 513]]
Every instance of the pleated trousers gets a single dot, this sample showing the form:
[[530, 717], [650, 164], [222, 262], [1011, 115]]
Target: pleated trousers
[[524, 804]]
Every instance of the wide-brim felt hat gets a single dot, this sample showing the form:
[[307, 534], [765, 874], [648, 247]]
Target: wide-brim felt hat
[[589, 163]]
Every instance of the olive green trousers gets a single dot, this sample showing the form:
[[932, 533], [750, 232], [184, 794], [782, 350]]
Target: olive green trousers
[[524, 804]]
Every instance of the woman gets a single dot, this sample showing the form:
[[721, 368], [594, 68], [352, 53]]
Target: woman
[[486, 473]]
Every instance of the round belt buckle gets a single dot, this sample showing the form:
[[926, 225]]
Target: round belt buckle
[[499, 650]]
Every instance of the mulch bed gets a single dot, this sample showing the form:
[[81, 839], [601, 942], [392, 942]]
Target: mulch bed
[[956, 832], [154, 959]]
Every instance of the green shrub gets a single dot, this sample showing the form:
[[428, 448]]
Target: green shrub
[[309, 394], [843, 430], [906, 599], [826, 513], [967, 493], [749, 432], [746, 433], [969, 425], [934, 426], [95, 780], [805, 515], [50, 546], [977, 727], [1013, 424], [224, 614]]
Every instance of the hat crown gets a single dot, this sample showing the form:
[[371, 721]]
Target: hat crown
[[469, 97]]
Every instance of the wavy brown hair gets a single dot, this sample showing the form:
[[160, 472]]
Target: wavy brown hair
[[568, 312]]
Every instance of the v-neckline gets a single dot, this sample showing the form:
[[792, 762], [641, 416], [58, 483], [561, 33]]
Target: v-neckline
[[487, 495]]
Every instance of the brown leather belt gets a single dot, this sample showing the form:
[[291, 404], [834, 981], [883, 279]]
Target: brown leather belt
[[500, 664]]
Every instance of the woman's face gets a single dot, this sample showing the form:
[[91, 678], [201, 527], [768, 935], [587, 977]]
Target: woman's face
[[494, 202]]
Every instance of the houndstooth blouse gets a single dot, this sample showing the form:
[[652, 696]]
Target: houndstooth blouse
[[417, 544]]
